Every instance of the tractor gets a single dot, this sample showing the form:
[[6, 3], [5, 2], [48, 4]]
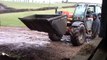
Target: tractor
[[63, 23]]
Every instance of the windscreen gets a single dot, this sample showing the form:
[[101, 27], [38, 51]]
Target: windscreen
[[80, 11]]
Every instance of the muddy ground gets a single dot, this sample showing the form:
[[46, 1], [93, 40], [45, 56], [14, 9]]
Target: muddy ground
[[24, 44]]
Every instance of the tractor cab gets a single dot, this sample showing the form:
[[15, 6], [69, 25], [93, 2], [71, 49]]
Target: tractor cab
[[84, 9]]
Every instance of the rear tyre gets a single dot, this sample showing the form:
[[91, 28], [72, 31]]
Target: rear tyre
[[78, 36], [54, 37]]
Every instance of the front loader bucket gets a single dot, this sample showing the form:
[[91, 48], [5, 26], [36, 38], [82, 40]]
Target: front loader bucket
[[46, 23]]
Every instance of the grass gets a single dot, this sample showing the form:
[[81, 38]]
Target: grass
[[11, 19], [32, 5]]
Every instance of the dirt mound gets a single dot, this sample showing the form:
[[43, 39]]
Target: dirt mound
[[51, 52], [4, 7]]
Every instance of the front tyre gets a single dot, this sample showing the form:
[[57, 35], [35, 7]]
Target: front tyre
[[78, 35]]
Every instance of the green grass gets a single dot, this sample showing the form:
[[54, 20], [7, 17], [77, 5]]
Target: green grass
[[11, 19], [32, 5]]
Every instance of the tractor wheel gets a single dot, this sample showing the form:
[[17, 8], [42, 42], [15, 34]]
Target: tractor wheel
[[78, 36]]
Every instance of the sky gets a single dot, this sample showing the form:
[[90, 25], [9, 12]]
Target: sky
[[53, 1], [90, 1]]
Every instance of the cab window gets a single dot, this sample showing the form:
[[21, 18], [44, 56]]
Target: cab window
[[98, 10]]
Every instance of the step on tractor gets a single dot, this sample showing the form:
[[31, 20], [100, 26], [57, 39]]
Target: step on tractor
[[63, 23]]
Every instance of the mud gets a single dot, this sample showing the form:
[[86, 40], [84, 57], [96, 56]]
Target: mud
[[23, 44]]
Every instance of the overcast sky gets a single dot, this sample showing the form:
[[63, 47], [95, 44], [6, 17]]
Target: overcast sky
[[53, 1], [91, 1]]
